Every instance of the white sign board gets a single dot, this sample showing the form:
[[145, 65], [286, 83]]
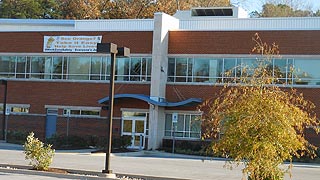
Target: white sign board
[[71, 43], [8, 110], [174, 117]]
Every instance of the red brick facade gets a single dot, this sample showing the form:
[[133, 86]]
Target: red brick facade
[[63, 93], [32, 42], [240, 42]]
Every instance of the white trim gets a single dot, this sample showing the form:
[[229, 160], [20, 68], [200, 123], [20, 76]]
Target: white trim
[[16, 105], [144, 55], [72, 107], [184, 112], [251, 24], [135, 110], [221, 56]]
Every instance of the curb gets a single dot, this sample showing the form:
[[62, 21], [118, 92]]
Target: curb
[[74, 174]]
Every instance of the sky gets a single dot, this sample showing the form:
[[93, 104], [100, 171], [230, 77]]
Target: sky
[[253, 5]]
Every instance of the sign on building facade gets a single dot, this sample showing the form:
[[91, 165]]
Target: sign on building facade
[[71, 43]]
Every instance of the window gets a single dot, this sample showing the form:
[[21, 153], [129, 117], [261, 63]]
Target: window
[[7, 66], [81, 112], [187, 126], [299, 71], [78, 68], [96, 68], [37, 67], [16, 108], [306, 72], [19, 109], [122, 69], [21, 70], [93, 68]]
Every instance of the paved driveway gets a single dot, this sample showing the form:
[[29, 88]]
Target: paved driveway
[[147, 163]]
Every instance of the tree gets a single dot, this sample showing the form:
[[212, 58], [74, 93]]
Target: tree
[[79, 9], [146, 8], [124, 9], [283, 10], [171, 6], [262, 124], [34, 9]]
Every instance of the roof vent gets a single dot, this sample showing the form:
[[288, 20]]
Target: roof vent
[[222, 12]]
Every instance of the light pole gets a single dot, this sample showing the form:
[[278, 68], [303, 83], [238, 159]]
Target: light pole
[[120, 52], [5, 83]]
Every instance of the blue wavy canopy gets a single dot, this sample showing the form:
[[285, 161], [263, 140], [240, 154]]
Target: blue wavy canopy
[[188, 102]]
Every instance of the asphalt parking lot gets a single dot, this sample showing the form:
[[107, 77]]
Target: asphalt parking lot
[[150, 165]]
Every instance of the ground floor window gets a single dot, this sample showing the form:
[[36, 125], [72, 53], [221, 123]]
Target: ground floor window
[[16, 108], [81, 111], [187, 126]]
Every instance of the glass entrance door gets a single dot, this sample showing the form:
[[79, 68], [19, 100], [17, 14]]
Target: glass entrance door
[[136, 128]]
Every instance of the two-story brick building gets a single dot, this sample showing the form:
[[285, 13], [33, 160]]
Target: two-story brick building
[[56, 83]]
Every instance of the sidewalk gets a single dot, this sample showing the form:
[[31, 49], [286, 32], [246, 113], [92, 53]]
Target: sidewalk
[[150, 165]]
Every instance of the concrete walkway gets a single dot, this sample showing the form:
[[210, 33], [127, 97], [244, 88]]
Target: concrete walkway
[[150, 165]]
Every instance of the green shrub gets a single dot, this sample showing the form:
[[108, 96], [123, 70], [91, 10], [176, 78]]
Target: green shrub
[[78, 142], [16, 137], [67, 142], [40, 155], [121, 142]]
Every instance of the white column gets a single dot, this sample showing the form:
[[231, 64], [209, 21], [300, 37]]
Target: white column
[[162, 24]]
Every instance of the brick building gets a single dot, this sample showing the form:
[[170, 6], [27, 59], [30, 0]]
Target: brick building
[[55, 77]]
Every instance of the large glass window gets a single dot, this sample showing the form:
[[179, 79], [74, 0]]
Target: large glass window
[[299, 71], [181, 69], [21, 70], [201, 70], [187, 126], [37, 67], [229, 70], [171, 69], [7, 66], [58, 68], [306, 71], [79, 68], [280, 71], [135, 70], [96, 68], [122, 69], [75, 68]]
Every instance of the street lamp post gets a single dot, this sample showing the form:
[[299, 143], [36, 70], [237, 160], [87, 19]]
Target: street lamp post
[[120, 52], [5, 83]]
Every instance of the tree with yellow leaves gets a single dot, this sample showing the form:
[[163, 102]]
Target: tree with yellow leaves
[[262, 124]]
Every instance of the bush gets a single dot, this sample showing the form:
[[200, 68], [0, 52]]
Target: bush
[[40, 155], [79, 142], [121, 142], [16, 137], [70, 142]]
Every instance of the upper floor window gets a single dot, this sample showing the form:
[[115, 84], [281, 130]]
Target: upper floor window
[[75, 67], [288, 71]]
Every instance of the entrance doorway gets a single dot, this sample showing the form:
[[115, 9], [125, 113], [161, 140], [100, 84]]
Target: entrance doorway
[[135, 126]]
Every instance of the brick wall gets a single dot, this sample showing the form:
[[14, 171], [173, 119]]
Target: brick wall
[[32, 42], [77, 126], [240, 42], [41, 93]]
